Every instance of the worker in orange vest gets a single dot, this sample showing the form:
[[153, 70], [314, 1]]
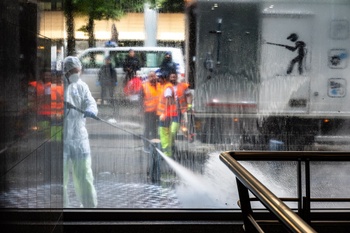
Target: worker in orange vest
[[173, 103], [57, 105], [150, 93], [183, 97], [57, 110], [41, 93]]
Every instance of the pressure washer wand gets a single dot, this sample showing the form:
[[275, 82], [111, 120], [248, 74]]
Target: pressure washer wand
[[71, 106]]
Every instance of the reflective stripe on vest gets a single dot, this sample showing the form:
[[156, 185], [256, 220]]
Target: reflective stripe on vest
[[151, 96]]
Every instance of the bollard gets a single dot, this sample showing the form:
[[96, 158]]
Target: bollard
[[154, 160]]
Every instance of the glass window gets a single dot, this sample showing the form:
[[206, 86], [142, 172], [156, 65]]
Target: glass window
[[93, 60], [261, 76], [47, 6], [148, 59], [118, 58]]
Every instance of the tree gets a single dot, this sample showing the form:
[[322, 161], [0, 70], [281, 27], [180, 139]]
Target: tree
[[107, 9], [171, 6], [104, 10], [69, 10]]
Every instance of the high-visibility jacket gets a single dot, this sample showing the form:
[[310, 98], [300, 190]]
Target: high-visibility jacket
[[180, 96], [151, 96], [42, 97], [167, 107], [57, 97], [161, 91]]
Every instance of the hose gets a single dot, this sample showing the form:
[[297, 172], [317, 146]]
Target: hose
[[71, 106]]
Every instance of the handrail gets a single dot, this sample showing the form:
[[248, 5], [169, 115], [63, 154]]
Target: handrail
[[290, 155], [290, 219]]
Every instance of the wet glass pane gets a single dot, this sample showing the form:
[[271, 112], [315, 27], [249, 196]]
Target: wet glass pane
[[280, 177], [329, 181], [260, 75]]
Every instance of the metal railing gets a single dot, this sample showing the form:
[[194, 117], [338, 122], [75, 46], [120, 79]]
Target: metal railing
[[246, 181]]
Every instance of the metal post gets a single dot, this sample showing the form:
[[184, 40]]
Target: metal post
[[306, 199], [299, 189], [245, 206]]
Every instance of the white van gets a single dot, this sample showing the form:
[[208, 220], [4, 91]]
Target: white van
[[150, 58]]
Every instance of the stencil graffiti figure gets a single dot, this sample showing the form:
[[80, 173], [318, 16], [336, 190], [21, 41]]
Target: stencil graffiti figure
[[299, 47]]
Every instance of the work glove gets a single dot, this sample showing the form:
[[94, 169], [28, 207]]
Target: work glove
[[89, 114], [116, 83]]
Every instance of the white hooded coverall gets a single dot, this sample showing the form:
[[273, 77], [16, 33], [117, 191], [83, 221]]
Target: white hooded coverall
[[76, 142]]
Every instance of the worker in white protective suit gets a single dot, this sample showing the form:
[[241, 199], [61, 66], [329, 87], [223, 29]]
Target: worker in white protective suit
[[76, 152]]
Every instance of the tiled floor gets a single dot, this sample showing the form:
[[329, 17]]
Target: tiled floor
[[110, 194]]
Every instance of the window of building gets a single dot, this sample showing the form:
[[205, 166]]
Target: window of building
[[262, 77]]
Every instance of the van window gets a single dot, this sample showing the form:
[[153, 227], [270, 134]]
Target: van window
[[117, 58], [148, 59], [93, 59]]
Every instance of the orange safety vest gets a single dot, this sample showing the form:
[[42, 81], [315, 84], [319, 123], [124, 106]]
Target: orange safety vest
[[161, 91], [42, 97], [170, 109], [181, 96], [151, 96], [57, 105]]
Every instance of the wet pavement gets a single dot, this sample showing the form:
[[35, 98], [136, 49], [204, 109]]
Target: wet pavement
[[112, 194], [120, 167]]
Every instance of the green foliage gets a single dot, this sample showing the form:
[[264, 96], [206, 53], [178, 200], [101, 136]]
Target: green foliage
[[171, 6], [115, 9], [106, 9], [168, 6], [111, 9]]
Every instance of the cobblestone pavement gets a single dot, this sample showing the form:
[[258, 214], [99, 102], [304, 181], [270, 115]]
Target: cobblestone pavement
[[133, 195], [110, 195]]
